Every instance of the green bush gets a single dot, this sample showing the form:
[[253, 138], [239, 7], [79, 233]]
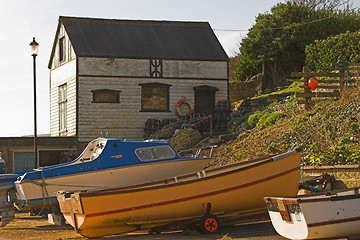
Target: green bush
[[341, 154], [235, 122], [301, 120], [263, 119], [253, 120], [279, 37], [322, 53], [269, 119], [354, 126], [273, 118]]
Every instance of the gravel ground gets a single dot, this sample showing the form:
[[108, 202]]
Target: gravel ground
[[25, 227]]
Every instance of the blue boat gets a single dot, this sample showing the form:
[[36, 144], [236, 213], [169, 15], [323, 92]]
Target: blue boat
[[104, 163]]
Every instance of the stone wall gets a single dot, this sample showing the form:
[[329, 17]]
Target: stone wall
[[242, 90], [349, 174]]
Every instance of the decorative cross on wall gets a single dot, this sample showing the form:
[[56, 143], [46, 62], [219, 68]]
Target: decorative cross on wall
[[155, 68]]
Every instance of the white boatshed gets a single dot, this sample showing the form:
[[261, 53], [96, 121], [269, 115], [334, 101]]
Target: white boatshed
[[107, 77]]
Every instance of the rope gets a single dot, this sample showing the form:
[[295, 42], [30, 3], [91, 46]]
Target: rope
[[187, 137], [43, 189], [63, 185], [45, 193], [312, 188]]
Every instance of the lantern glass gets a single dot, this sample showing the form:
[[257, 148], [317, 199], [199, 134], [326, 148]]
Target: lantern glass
[[34, 47]]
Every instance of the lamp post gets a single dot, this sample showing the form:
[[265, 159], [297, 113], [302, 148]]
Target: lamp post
[[34, 52]]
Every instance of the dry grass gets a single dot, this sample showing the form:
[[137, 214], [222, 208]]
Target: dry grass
[[327, 131]]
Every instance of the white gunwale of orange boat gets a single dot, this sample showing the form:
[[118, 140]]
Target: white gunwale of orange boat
[[192, 177]]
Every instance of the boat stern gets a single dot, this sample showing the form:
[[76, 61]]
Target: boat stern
[[286, 217], [71, 208]]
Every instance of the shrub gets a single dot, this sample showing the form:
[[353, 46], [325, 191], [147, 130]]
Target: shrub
[[269, 119], [235, 122], [322, 53], [273, 118], [342, 154], [253, 120], [263, 119]]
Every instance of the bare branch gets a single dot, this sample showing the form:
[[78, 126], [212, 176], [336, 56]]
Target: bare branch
[[325, 4]]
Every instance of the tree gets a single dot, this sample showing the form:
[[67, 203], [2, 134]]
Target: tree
[[324, 4], [322, 53], [278, 39]]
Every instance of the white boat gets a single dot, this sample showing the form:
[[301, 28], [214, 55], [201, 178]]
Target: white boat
[[317, 215], [104, 163]]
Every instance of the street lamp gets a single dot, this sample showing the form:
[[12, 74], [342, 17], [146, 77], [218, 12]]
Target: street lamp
[[34, 52]]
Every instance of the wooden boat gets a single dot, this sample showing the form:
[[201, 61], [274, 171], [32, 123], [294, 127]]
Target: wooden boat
[[317, 215], [234, 188], [104, 163]]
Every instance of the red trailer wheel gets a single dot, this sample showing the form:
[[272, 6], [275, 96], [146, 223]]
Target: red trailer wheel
[[209, 223]]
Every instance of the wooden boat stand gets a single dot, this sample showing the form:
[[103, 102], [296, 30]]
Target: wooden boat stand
[[208, 223], [199, 223]]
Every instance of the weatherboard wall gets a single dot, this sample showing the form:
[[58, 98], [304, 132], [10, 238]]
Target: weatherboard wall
[[60, 76], [63, 72], [125, 119], [179, 69]]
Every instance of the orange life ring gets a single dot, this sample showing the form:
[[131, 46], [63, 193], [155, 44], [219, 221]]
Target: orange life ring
[[182, 101]]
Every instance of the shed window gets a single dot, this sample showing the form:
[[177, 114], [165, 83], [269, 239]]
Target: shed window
[[62, 49], [106, 96], [155, 97]]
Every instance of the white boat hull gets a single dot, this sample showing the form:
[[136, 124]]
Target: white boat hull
[[32, 194], [313, 216]]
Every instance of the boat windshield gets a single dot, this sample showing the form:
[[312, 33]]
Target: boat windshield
[[154, 153], [92, 151]]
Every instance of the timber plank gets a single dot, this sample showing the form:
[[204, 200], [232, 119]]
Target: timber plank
[[317, 94], [319, 80], [301, 101], [320, 74], [333, 87]]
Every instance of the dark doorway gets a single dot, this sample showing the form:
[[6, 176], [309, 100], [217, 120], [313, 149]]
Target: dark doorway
[[205, 99], [52, 157], [24, 161]]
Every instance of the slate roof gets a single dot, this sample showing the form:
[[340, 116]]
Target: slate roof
[[92, 37]]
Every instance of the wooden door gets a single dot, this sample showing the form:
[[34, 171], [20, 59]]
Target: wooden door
[[205, 100]]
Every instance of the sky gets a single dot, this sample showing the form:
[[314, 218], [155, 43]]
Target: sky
[[21, 20]]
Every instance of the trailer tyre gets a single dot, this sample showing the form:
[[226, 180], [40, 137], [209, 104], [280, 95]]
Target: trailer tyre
[[156, 230], [209, 223]]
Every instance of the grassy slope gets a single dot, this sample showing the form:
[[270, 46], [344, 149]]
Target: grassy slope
[[329, 134]]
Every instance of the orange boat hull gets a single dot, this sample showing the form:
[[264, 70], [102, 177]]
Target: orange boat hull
[[236, 188]]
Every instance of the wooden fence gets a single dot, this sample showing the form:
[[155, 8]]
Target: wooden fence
[[330, 84], [349, 174]]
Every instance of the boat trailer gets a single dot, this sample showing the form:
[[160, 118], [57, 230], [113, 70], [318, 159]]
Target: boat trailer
[[7, 194]]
